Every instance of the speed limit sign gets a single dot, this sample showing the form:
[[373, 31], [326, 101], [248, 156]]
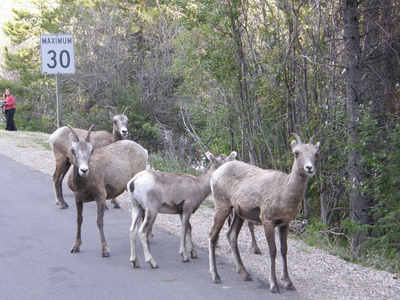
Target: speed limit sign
[[57, 53]]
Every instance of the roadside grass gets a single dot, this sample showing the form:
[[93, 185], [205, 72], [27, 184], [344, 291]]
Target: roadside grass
[[27, 139], [340, 246]]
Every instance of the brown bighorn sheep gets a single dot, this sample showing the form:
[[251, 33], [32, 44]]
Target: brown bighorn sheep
[[101, 174], [269, 197], [153, 192], [60, 144]]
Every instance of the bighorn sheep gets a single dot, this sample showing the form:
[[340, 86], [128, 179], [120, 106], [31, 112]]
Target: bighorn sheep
[[153, 192], [269, 197], [60, 144], [101, 174]]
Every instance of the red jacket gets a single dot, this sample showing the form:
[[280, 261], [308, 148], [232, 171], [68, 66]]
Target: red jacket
[[10, 102]]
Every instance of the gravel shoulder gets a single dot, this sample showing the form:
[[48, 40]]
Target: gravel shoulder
[[315, 273]]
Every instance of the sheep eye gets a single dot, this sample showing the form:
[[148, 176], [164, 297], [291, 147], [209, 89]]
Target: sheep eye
[[72, 151], [296, 154]]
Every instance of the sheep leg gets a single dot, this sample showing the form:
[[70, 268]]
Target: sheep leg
[[101, 207], [137, 216], [62, 168], [183, 251], [254, 245], [193, 253], [283, 232], [79, 220], [220, 216], [232, 235], [144, 232], [269, 229]]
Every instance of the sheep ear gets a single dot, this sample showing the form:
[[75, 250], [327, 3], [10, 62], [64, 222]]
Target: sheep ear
[[297, 138], [294, 144], [232, 156], [317, 146], [73, 136], [210, 156]]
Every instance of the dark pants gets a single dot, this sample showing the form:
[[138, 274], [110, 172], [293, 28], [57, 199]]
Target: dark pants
[[10, 119]]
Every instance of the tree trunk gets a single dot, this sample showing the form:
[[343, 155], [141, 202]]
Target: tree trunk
[[358, 203]]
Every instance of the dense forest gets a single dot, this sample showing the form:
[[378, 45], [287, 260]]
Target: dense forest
[[224, 75]]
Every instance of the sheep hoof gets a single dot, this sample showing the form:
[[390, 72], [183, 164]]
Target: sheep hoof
[[63, 206], [185, 258], [153, 264], [275, 291], [291, 288], [106, 254], [75, 250], [217, 281], [135, 263], [115, 203], [193, 254], [248, 278], [257, 251]]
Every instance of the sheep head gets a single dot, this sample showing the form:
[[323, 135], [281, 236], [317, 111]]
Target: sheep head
[[120, 122], [81, 151], [304, 156], [217, 162]]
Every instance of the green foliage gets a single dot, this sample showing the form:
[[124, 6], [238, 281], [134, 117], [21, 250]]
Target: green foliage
[[379, 146], [336, 241], [382, 158], [16, 89], [28, 120], [165, 163]]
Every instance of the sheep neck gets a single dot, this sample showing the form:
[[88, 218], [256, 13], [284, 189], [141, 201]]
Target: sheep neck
[[203, 182], [296, 186], [116, 137]]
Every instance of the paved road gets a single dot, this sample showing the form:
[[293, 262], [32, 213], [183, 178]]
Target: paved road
[[35, 263]]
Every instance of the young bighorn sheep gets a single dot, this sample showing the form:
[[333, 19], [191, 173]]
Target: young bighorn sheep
[[60, 144], [269, 197], [101, 174], [153, 192]]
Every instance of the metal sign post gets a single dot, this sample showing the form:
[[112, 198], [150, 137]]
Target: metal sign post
[[57, 53], [58, 100]]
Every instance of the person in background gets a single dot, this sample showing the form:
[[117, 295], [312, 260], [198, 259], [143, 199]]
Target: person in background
[[9, 107]]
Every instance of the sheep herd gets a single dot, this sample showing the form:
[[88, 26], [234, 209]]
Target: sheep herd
[[105, 165]]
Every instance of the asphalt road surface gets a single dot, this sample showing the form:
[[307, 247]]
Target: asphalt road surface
[[35, 260]]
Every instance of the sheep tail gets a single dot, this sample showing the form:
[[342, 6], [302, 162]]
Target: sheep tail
[[131, 186]]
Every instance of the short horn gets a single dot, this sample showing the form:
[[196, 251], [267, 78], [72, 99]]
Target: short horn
[[125, 110], [74, 134], [112, 109], [312, 139], [297, 138], [88, 134]]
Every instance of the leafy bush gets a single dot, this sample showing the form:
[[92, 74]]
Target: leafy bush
[[165, 163]]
